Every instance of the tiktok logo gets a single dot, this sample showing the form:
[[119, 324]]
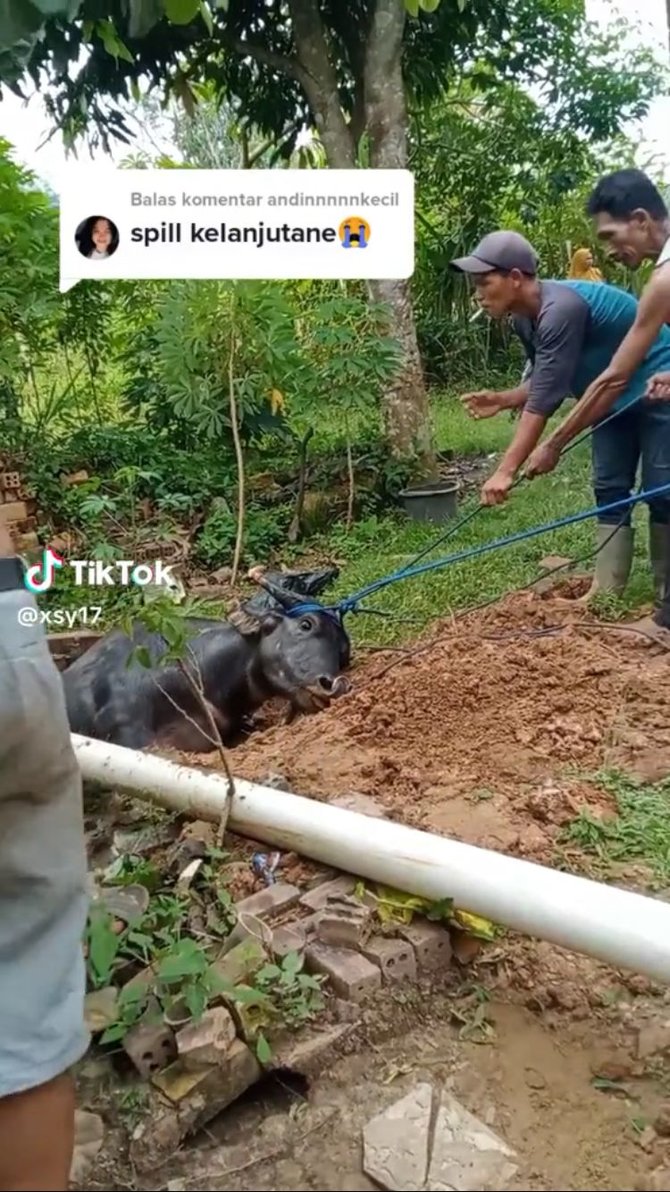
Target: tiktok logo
[[40, 577]]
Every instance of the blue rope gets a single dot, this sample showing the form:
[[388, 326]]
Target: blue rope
[[468, 517], [349, 604]]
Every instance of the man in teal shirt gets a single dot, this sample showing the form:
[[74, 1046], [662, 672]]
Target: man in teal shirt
[[570, 330]]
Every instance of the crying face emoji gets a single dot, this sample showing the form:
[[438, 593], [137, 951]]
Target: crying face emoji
[[354, 232]]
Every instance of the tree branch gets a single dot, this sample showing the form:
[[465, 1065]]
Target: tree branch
[[279, 62], [320, 83]]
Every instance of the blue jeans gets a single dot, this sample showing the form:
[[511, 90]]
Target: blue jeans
[[640, 436]]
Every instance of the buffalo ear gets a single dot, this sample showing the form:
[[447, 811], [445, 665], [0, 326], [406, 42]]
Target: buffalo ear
[[269, 622], [245, 623]]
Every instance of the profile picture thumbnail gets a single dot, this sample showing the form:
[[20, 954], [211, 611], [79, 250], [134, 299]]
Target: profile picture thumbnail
[[97, 238]]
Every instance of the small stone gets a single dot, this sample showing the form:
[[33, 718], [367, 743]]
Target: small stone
[[201, 831], [223, 575], [615, 1067], [128, 903], [208, 1040], [151, 1047], [535, 1079], [465, 948], [395, 958], [75, 478], [270, 901], [395, 1143], [647, 1139], [89, 1133], [363, 804], [316, 899], [310, 1051], [662, 1123], [467, 1155], [351, 975], [552, 562], [277, 782], [100, 1009], [653, 1039]]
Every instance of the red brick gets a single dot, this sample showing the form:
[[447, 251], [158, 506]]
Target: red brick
[[344, 923], [316, 899], [150, 1047], [350, 974], [311, 1050], [289, 938], [10, 480], [13, 511], [395, 958], [431, 943], [208, 1040], [270, 901]]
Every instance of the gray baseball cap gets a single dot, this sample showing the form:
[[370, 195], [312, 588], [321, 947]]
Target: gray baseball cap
[[500, 250]]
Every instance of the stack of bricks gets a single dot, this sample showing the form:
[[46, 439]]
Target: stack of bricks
[[17, 513]]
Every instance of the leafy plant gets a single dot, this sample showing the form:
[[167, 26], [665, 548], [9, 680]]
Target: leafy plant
[[295, 994]]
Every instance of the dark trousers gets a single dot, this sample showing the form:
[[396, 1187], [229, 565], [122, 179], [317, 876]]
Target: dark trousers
[[662, 613], [637, 438]]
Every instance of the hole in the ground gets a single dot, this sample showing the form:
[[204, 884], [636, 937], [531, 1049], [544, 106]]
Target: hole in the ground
[[277, 1090]]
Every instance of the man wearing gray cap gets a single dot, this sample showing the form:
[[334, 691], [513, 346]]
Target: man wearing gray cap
[[570, 330]]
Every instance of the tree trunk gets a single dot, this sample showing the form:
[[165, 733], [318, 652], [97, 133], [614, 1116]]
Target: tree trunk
[[319, 80], [406, 409]]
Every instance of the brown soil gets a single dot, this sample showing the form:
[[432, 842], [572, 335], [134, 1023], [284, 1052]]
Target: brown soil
[[487, 731], [478, 731]]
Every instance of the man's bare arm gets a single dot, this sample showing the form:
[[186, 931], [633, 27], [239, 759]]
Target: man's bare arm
[[653, 312]]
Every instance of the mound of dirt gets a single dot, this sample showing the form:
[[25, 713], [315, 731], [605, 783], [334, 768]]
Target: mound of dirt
[[478, 731]]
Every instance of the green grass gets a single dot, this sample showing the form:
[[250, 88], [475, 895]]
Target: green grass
[[377, 546], [640, 831]]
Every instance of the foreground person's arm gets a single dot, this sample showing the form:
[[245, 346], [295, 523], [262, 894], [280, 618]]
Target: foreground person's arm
[[43, 904], [598, 399], [560, 338]]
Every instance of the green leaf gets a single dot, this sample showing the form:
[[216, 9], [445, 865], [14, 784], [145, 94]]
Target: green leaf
[[263, 1050], [112, 42], [206, 16], [114, 1033], [181, 12], [433, 5], [195, 997], [412, 7], [187, 960], [269, 972], [144, 14], [142, 656], [247, 996], [103, 945], [293, 963]]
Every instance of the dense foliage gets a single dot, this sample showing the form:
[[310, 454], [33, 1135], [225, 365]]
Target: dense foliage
[[203, 398]]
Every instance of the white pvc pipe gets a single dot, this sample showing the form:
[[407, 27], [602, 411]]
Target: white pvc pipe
[[623, 929]]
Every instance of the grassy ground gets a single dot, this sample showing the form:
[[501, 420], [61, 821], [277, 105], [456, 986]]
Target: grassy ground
[[378, 546], [640, 831]]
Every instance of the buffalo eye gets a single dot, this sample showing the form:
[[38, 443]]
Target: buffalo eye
[[305, 625]]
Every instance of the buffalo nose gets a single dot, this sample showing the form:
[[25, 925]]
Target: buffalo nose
[[325, 682]]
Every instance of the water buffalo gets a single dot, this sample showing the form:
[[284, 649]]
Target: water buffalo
[[292, 650]]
